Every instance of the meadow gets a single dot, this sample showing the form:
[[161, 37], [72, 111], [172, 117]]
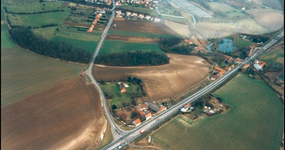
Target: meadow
[[113, 90], [241, 43], [110, 47], [255, 121], [138, 34], [178, 20], [139, 10], [38, 20], [34, 7], [274, 56]]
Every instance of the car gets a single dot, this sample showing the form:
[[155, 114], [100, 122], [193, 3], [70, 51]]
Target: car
[[142, 131]]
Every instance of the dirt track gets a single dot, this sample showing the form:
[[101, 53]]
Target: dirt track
[[142, 26], [132, 39], [161, 81], [66, 117]]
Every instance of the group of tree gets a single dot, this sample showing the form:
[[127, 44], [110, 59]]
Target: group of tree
[[173, 45], [133, 58], [38, 44]]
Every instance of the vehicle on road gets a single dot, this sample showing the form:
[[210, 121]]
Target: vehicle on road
[[142, 131]]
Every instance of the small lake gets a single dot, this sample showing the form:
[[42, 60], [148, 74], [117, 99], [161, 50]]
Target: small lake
[[226, 45]]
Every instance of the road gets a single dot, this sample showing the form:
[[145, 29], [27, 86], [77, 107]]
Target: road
[[149, 124], [117, 132]]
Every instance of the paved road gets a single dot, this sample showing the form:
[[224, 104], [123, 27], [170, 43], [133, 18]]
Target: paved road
[[148, 125]]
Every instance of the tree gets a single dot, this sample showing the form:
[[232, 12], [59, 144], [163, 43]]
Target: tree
[[114, 107], [135, 114], [134, 101]]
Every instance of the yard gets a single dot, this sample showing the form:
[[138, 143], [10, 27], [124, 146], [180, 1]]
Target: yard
[[110, 47], [115, 97], [255, 121]]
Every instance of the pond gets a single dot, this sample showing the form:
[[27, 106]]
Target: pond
[[226, 45]]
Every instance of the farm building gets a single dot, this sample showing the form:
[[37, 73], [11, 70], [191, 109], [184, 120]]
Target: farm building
[[153, 107], [137, 122]]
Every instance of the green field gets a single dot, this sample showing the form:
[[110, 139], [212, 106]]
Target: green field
[[38, 20], [85, 45], [255, 121], [6, 41], [138, 34], [241, 43], [34, 7], [113, 89], [2, 13], [119, 46], [274, 56], [140, 10], [227, 9]]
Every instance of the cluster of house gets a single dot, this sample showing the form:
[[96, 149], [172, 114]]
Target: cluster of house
[[257, 64], [120, 14], [146, 3], [144, 111], [221, 71], [97, 18], [187, 108]]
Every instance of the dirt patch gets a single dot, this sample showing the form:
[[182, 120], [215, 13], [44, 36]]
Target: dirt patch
[[132, 39], [180, 29], [142, 26], [68, 116], [163, 81], [268, 18]]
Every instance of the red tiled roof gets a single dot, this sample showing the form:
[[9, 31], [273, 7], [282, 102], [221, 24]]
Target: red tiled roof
[[137, 121]]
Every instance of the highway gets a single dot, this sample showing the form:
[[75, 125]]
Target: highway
[[149, 124]]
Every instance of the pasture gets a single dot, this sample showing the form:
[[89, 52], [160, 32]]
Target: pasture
[[242, 43], [255, 121], [274, 56], [151, 12], [25, 73], [38, 20], [110, 47], [34, 7], [138, 34], [6, 41]]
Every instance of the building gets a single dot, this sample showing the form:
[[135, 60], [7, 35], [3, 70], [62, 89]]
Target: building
[[128, 13], [137, 122], [153, 107], [186, 108], [188, 41], [147, 17], [122, 87], [148, 116], [246, 66], [156, 20], [257, 67], [141, 16], [161, 109], [238, 60], [134, 14]]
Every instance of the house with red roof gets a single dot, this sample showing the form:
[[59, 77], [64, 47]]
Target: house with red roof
[[148, 116], [137, 122]]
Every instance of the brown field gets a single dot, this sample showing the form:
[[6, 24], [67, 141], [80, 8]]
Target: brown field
[[163, 81], [142, 26], [268, 18], [66, 117], [181, 29], [132, 39]]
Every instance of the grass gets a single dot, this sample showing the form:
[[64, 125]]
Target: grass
[[25, 73], [108, 137], [34, 7], [138, 34], [38, 20], [254, 123], [274, 56], [85, 45], [2, 12], [45, 32], [241, 43], [113, 89], [79, 35], [119, 46], [151, 12], [6, 42]]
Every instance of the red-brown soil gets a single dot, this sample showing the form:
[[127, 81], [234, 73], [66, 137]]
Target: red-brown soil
[[163, 81], [66, 117], [142, 26], [132, 39]]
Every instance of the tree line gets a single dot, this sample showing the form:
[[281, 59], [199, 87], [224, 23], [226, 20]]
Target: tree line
[[38, 12], [133, 58], [173, 45], [38, 44]]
